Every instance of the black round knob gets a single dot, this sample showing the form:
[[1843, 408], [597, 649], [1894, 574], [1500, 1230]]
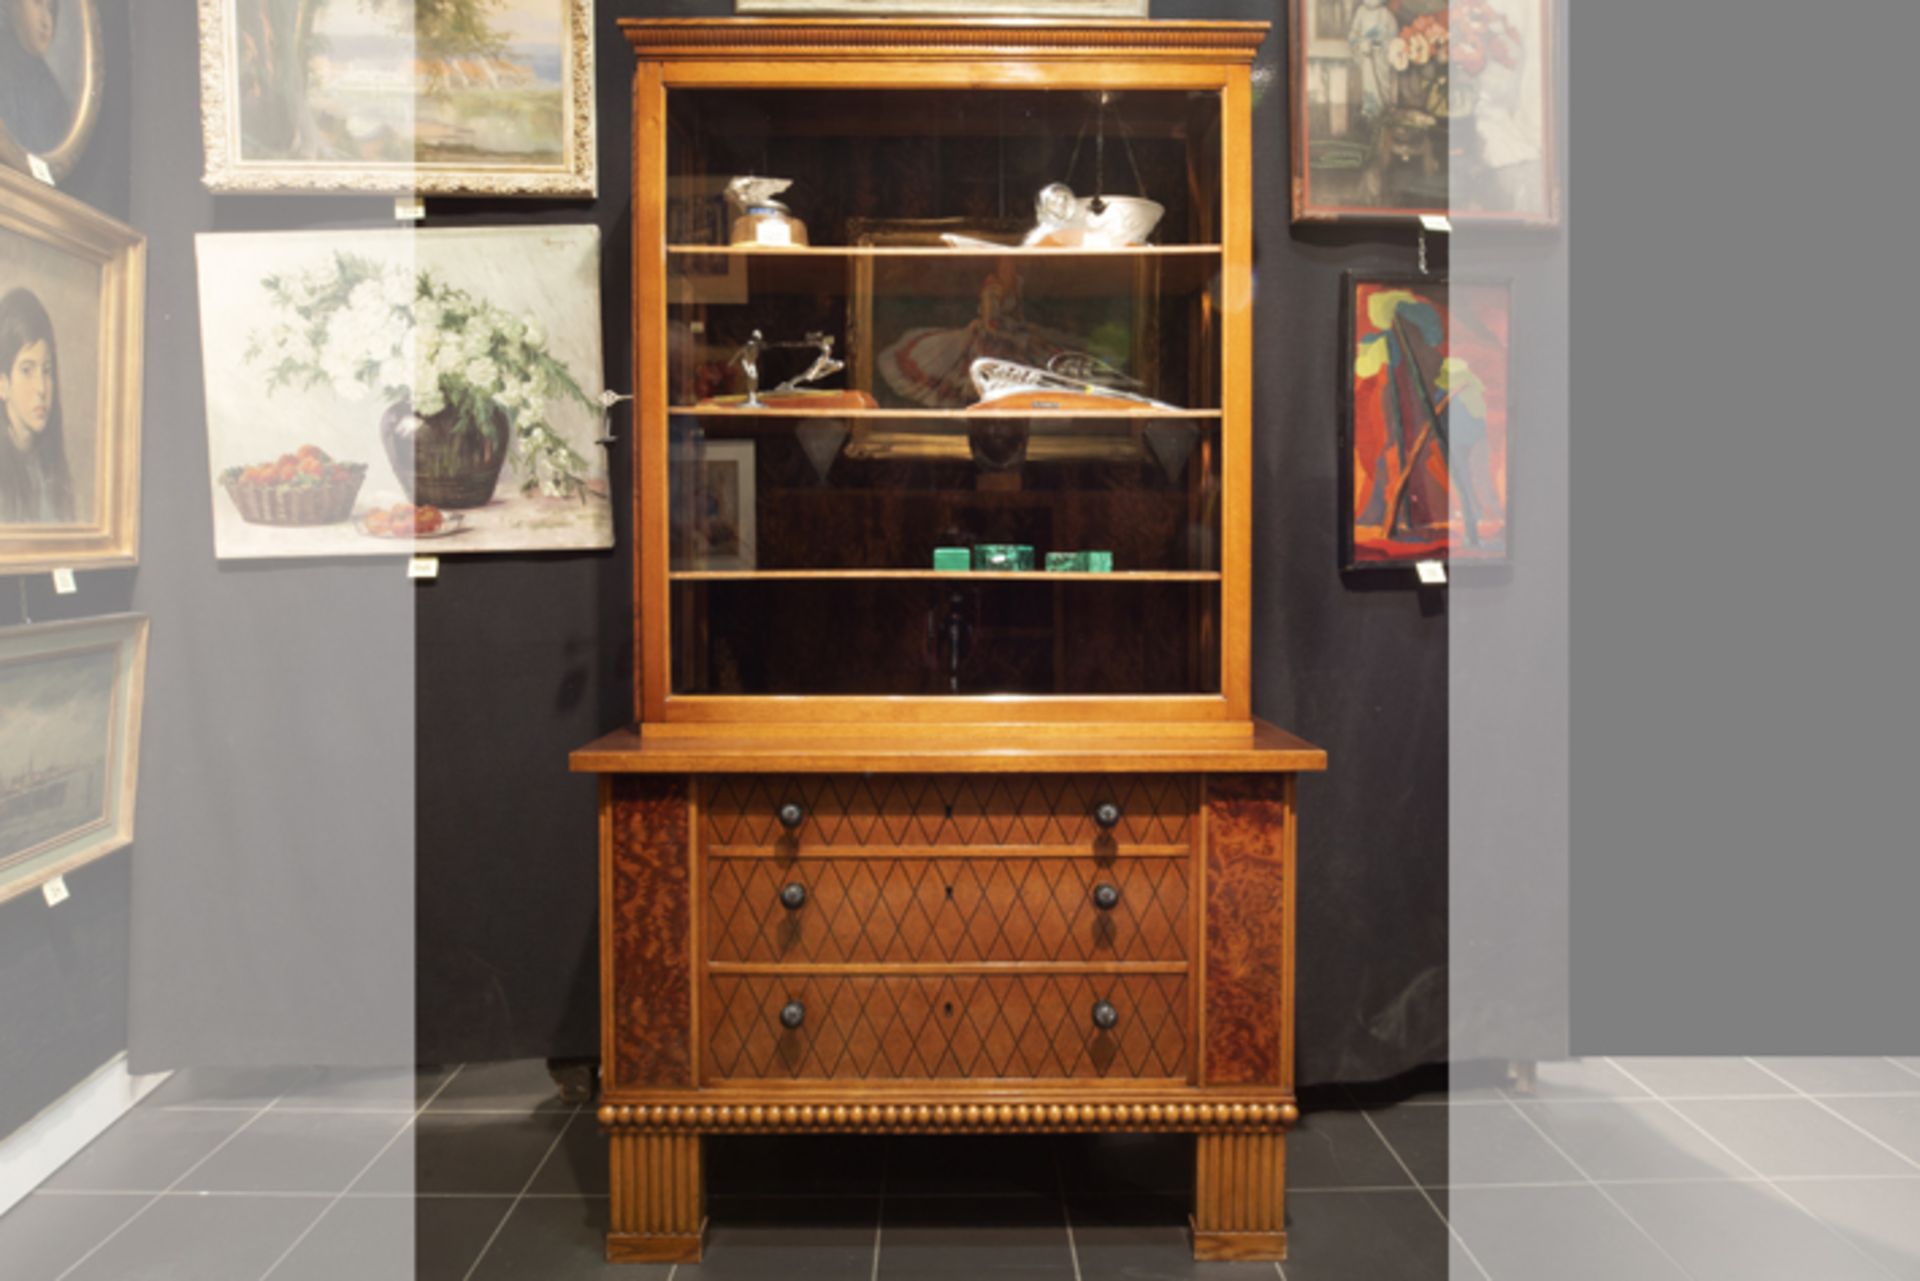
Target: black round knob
[[1104, 1015], [1107, 815], [1106, 897], [792, 814], [792, 1015], [793, 896]]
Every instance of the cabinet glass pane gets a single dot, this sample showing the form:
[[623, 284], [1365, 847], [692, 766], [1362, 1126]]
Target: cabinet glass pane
[[815, 526], [945, 636]]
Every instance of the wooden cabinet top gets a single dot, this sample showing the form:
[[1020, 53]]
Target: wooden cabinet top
[[975, 750]]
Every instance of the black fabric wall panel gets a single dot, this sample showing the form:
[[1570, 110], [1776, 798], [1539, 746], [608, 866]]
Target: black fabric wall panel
[[63, 988], [520, 659]]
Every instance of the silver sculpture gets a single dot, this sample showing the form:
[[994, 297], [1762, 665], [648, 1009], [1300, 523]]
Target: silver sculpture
[[748, 358], [997, 379]]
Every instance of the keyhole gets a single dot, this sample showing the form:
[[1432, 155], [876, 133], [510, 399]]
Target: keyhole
[[949, 811], [949, 891], [947, 1009]]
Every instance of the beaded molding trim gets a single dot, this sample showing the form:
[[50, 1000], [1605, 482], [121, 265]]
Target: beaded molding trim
[[1234, 42], [1181, 1116]]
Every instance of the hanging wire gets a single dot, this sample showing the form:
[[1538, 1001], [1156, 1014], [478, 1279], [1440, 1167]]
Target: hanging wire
[[1100, 148]]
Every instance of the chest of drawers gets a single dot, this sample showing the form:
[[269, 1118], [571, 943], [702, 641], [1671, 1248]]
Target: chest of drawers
[[948, 952]]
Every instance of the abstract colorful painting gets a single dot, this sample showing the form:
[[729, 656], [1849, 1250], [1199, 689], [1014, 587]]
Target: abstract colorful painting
[[1426, 430]]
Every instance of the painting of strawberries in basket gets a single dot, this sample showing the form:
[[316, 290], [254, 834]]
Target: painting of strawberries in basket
[[1426, 446]]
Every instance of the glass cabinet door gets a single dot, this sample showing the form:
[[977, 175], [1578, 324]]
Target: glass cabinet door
[[932, 432]]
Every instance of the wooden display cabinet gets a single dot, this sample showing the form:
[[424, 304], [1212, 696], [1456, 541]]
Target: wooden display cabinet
[[893, 850]]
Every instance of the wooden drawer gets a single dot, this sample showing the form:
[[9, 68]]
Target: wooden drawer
[[741, 812], [945, 1027], [856, 910]]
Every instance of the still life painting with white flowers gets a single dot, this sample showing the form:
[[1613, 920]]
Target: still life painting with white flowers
[[373, 392]]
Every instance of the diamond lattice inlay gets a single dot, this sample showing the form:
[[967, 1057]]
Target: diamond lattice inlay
[[887, 910], [946, 1027], [847, 810]]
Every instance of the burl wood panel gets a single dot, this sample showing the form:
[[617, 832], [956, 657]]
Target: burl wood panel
[[650, 920], [881, 910], [979, 1027], [1247, 950], [858, 811]]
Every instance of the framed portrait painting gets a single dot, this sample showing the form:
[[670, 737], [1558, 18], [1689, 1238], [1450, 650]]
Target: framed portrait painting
[[456, 97], [1425, 425], [51, 77], [72, 285], [1410, 108], [368, 391], [70, 698]]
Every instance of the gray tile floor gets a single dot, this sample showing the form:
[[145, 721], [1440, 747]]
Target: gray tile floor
[[1630, 1168]]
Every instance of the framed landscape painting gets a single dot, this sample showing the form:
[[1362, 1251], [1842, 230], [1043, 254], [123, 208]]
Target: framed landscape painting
[[385, 392], [1425, 424], [413, 97], [72, 289], [70, 697], [1406, 108]]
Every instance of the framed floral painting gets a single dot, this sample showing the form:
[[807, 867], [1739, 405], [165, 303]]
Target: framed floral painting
[[453, 97], [70, 698], [1425, 446], [369, 391], [1410, 108], [72, 290]]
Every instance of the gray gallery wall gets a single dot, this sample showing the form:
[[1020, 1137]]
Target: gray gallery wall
[[63, 970]]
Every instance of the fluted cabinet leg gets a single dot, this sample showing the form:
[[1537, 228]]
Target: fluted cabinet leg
[[658, 1212], [1239, 1205]]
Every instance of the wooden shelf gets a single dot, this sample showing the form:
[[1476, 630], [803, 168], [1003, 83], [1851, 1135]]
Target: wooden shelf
[[949, 415], [932, 575], [1178, 273], [938, 251]]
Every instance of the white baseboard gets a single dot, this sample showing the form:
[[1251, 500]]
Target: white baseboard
[[30, 1155]]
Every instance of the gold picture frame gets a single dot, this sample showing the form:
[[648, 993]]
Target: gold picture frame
[[72, 291], [70, 753], [496, 77]]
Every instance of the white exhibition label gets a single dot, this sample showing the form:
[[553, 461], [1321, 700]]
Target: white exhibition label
[[1433, 573], [56, 891], [1440, 224], [423, 567], [63, 582], [409, 209], [40, 168]]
